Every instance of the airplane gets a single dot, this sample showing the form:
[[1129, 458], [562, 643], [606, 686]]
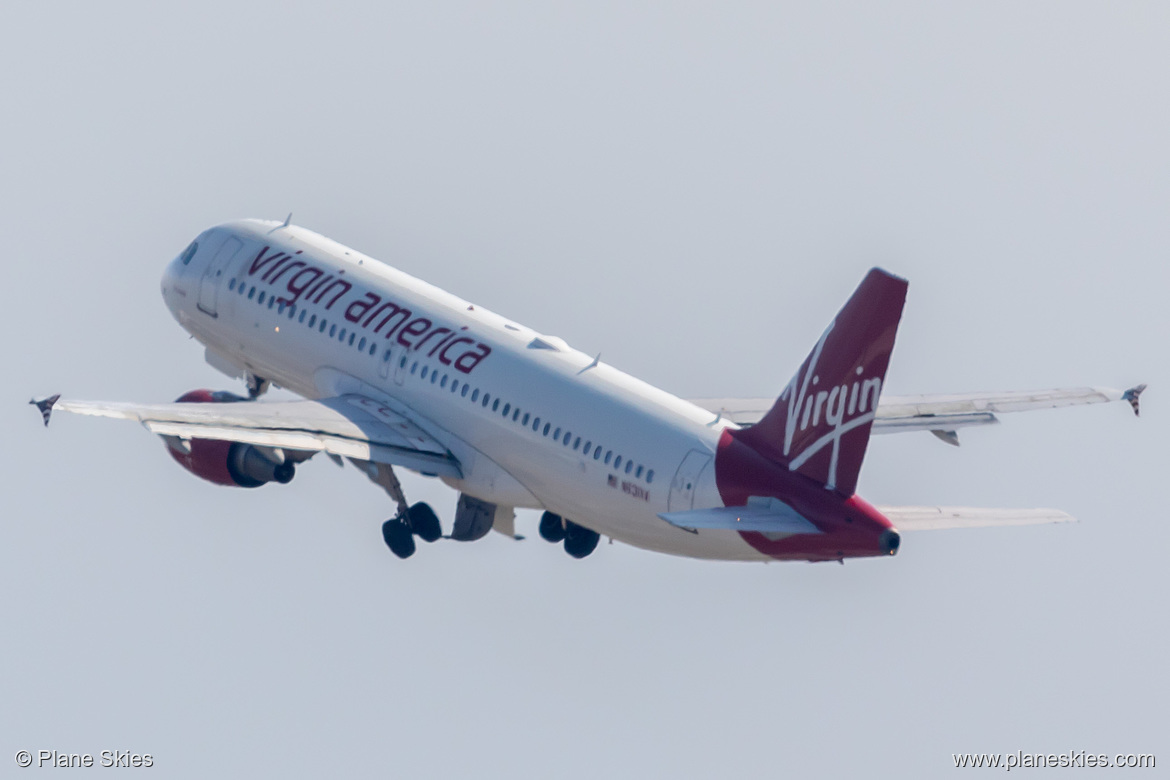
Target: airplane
[[393, 372]]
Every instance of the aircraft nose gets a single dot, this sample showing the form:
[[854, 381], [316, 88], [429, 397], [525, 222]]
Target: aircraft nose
[[171, 284]]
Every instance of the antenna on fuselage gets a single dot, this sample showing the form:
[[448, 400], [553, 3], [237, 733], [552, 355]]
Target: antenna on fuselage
[[287, 220], [596, 360]]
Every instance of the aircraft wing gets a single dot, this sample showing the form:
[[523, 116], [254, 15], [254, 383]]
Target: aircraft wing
[[929, 518], [940, 414], [351, 425]]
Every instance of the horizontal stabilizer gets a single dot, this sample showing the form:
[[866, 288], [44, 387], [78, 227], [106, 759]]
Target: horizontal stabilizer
[[928, 518], [765, 515], [942, 412]]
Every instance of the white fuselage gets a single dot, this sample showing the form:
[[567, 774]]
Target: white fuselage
[[533, 422]]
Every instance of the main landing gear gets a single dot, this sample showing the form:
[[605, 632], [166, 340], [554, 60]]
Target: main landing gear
[[419, 520], [411, 521], [579, 541]]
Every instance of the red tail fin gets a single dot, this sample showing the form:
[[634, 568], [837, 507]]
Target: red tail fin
[[819, 427]]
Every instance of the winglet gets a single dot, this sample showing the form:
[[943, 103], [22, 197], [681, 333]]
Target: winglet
[[46, 406], [1133, 395], [287, 220]]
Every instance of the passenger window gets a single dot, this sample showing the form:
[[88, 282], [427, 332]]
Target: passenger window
[[557, 435], [536, 424], [650, 475], [617, 462], [495, 404], [341, 336], [547, 426], [302, 317], [402, 362], [463, 392], [414, 367], [597, 453], [423, 373], [434, 376], [323, 324], [443, 381], [260, 298], [577, 442], [608, 455], [271, 301], [588, 445], [629, 466], [525, 422], [362, 343], [373, 348], [386, 357], [639, 473], [231, 285], [568, 438], [507, 408], [332, 330], [252, 293], [352, 336]]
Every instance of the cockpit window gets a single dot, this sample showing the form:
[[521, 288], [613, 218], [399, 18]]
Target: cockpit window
[[189, 252]]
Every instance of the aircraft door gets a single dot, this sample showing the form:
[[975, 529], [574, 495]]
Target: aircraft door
[[213, 275], [400, 368], [384, 365], [682, 487]]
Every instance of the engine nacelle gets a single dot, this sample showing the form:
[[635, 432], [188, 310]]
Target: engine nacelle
[[230, 463]]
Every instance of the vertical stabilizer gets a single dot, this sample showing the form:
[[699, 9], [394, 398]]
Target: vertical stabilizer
[[819, 427]]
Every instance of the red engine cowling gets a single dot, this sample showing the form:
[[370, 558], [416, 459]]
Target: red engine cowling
[[231, 463]]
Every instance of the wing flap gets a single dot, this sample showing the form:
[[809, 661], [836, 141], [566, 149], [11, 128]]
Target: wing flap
[[929, 518]]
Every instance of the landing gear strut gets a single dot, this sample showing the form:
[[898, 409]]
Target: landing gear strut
[[257, 385]]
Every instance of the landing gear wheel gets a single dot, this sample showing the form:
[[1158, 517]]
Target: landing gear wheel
[[424, 522], [552, 528], [398, 537], [579, 541]]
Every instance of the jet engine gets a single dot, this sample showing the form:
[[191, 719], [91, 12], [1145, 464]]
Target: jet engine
[[230, 463]]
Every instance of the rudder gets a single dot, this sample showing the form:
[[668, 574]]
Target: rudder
[[820, 425]]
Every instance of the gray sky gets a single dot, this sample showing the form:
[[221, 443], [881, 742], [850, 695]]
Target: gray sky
[[691, 189]]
